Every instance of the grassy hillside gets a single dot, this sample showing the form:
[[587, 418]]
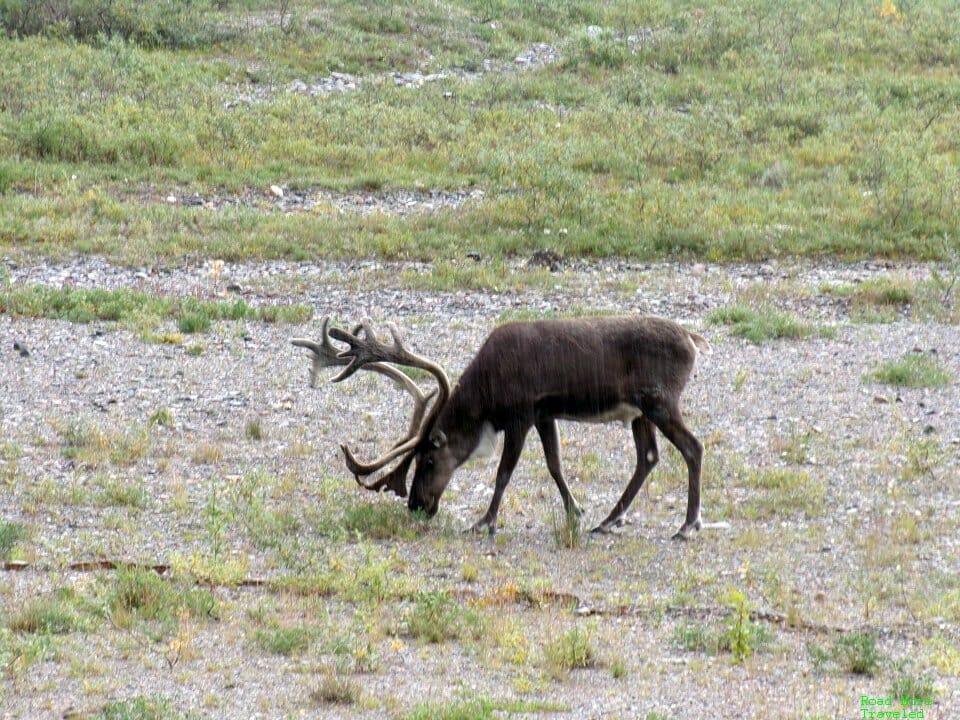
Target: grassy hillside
[[665, 129]]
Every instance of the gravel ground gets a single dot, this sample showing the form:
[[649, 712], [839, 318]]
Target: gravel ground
[[877, 555]]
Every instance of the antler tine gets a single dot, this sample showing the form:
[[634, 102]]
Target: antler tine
[[325, 354], [395, 480], [369, 349], [358, 468]]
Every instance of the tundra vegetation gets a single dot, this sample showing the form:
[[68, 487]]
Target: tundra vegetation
[[170, 430]]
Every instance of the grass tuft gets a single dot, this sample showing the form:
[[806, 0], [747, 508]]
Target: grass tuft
[[778, 492], [380, 521], [912, 371], [336, 690], [138, 309], [757, 326], [855, 653], [50, 616], [436, 618], [142, 593], [567, 529], [10, 534], [285, 641], [570, 651], [139, 708]]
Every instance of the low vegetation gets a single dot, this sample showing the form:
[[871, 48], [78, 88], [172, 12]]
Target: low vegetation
[[787, 169], [62, 613], [571, 650], [436, 617], [337, 690], [912, 371], [140, 708], [784, 492], [854, 653], [765, 324], [10, 534], [136, 309], [139, 594], [480, 709], [285, 641], [567, 529]]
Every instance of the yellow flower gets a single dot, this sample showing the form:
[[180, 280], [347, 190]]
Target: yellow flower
[[890, 10]]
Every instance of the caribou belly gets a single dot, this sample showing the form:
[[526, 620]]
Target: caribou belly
[[622, 412]]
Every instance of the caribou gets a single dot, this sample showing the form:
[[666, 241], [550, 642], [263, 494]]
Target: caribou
[[629, 369]]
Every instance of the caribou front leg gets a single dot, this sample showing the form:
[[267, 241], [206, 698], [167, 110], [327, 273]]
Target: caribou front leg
[[513, 440]]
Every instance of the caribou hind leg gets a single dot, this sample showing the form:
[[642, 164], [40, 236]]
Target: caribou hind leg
[[668, 419], [645, 439]]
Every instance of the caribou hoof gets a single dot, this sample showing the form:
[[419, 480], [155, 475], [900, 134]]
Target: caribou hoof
[[686, 532], [482, 524], [607, 528]]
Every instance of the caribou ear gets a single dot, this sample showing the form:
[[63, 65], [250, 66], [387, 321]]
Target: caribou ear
[[438, 438]]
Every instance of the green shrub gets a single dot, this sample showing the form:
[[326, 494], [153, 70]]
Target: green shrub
[[194, 322], [380, 520], [855, 653], [913, 685], [336, 690], [144, 593], [858, 654], [601, 51], [7, 178], [567, 529]]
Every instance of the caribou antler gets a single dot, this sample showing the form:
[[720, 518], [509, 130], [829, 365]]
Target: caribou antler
[[367, 351], [326, 355]]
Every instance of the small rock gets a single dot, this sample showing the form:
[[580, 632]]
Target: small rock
[[547, 258], [22, 349], [276, 191]]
